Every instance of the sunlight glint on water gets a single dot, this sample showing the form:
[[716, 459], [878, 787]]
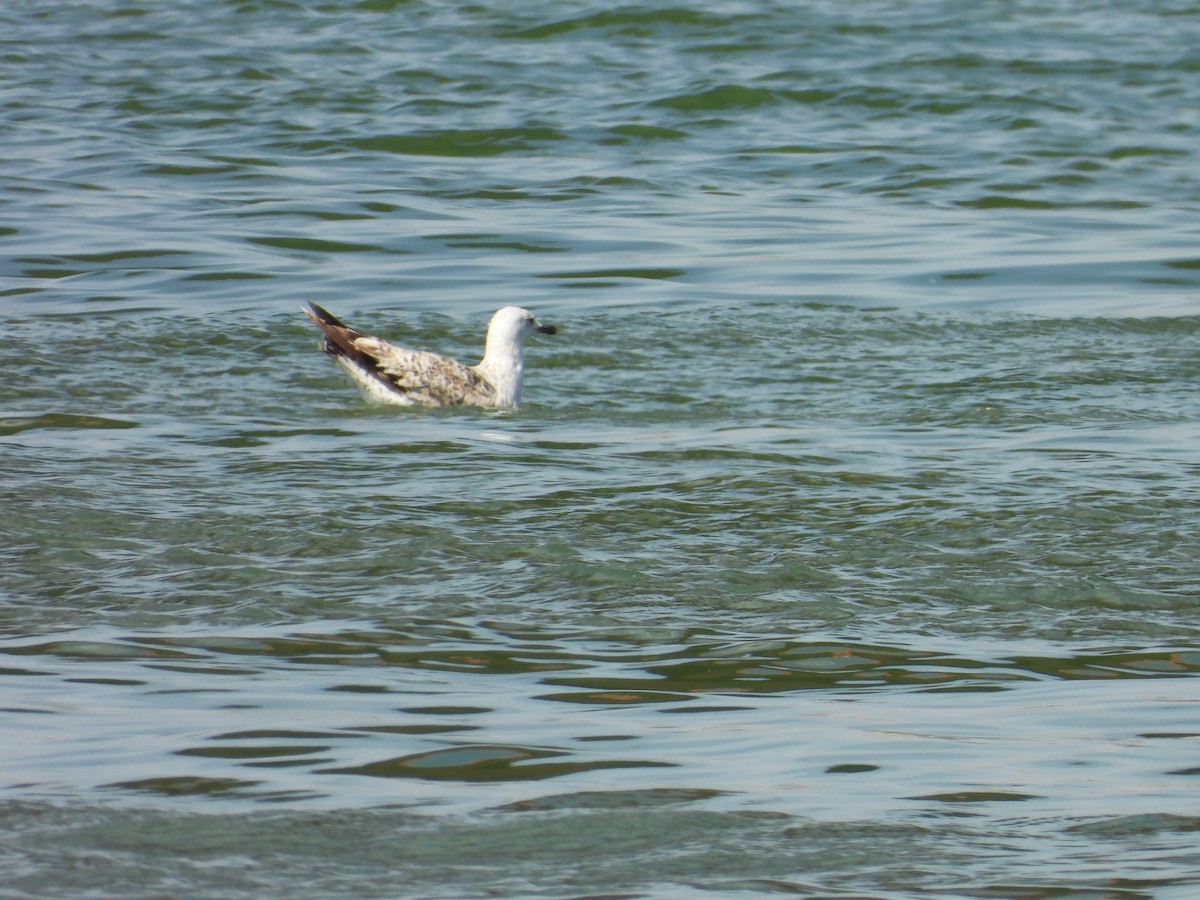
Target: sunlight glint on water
[[844, 542]]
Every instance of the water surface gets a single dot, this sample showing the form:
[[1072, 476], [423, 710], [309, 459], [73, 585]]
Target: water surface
[[844, 544]]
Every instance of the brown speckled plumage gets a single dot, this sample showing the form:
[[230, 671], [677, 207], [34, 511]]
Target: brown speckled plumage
[[398, 375]]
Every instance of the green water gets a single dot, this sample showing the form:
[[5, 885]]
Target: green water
[[844, 545]]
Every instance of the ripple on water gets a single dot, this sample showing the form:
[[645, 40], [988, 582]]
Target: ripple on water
[[845, 542]]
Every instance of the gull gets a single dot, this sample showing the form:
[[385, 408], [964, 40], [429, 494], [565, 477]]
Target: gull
[[390, 374]]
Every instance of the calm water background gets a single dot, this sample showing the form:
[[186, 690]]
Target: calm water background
[[846, 544]]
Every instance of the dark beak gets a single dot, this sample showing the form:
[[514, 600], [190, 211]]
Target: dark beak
[[547, 329]]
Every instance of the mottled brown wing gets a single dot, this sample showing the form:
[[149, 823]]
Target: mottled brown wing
[[388, 372], [429, 379]]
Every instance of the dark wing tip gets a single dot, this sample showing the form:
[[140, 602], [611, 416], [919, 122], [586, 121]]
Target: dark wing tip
[[322, 316], [339, 338]]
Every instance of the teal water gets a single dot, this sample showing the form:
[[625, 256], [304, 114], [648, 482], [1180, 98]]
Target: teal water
[[845, 544]]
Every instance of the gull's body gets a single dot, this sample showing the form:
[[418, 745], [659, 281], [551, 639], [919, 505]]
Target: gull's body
[[390, 374]]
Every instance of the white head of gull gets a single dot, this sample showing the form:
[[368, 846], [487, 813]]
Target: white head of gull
[[387, 373]]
